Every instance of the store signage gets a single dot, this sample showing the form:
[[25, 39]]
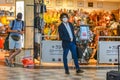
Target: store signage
[[90, 4], [84, 32], [52, 51], [10, 1], [108, 51]]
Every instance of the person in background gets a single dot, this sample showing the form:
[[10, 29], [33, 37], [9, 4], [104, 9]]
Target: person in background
[[37, 24], [66, 34], [15, 45], [37, 32]]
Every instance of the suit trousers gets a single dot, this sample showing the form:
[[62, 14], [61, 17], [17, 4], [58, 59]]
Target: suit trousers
[[72, 48]]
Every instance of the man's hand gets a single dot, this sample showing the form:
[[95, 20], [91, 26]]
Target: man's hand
[[13, 31], [71, 39], [20, 32]]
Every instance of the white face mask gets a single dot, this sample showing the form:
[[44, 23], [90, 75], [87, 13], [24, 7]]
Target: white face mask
[[65, 19]]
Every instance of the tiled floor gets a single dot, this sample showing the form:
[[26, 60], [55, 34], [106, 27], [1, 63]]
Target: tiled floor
[[53, 73], [19, 73]]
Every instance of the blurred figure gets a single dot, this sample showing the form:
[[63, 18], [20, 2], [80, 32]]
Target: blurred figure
[[16, 31], [66, 33], [37, 23]]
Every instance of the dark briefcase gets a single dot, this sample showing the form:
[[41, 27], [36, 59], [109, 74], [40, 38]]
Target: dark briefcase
[[114, 75]]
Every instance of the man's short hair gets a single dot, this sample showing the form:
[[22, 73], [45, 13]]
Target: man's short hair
[[19, 16], [62, 15]]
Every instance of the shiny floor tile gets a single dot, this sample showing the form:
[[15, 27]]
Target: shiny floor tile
[[19, 73]]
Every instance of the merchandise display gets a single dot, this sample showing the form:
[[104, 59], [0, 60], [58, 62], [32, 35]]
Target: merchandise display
[[7, 10], [7, 14], [4, 20], [39, 10], [100, 22]]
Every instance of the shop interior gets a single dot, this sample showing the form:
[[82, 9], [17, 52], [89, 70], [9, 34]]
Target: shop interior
[[103, 17], [102, 20], [7, 13]]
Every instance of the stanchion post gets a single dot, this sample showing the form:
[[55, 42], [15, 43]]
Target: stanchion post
[[118, 58]]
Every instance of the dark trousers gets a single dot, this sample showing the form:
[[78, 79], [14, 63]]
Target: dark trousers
[[72, 48]]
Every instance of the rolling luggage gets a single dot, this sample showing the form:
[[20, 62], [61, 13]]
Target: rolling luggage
[[114, 75]]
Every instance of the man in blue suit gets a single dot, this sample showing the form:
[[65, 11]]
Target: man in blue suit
[[66, 33]]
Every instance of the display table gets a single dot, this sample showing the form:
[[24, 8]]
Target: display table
[[52, 51], [108, 49]]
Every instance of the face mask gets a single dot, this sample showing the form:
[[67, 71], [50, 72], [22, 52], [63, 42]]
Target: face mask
[[65, 19]]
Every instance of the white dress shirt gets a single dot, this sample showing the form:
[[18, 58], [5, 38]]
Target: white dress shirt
[[67, 26]]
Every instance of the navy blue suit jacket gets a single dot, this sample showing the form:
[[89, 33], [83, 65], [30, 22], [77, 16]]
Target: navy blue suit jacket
[[64, 35]]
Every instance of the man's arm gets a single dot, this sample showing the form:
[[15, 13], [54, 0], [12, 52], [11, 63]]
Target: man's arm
[[9, 30], [10, 27], [60, 33]]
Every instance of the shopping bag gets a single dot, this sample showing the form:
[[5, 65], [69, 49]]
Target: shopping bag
[[27, 61]]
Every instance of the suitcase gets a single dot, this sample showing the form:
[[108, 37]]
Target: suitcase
[[114, 75]]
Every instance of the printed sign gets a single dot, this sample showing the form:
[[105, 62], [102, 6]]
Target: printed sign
[[52, 51], [108, 51], [84, 32]]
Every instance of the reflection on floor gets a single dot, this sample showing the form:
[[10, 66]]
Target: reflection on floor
[[54, 71], [19, 73]]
